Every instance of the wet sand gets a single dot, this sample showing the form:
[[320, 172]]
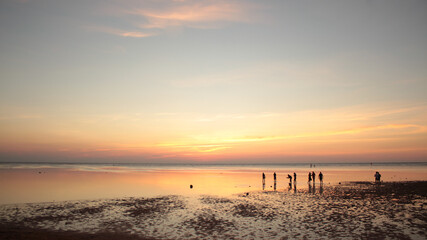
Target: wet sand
[[357, 210]]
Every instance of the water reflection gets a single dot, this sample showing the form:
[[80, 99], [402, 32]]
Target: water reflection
[[314, 187], [28, 185], [295, 186], [39, 184]]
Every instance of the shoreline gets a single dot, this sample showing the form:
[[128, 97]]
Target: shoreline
[[349, 210]]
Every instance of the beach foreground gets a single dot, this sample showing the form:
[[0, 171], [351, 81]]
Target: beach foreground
[[362, 210]]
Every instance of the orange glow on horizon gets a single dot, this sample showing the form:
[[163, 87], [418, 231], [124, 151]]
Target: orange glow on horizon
[[225, 137]]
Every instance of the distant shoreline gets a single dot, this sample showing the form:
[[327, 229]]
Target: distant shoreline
[[225, 164]]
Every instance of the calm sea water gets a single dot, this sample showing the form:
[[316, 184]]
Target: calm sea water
[[43, 182]]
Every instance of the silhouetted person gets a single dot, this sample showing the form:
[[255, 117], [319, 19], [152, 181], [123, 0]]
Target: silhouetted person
[[377, 177], [263, 181], [290, 178], [295, 177], [314, 176], [309, 177], [321, 177], [274, 177]]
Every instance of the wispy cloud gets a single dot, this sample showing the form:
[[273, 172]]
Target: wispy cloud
[[195, 14], [118, 32], [209, 144], [201, 148], [136, 34], [149, 18], [410, 129]]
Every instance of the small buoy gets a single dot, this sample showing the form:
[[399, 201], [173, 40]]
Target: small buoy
[[247, 194], [339, 183], [191, 186]]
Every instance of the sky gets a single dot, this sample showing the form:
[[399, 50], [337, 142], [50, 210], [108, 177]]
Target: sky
[[200, 81]]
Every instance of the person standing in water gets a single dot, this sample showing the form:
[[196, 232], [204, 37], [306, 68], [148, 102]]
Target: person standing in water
[[290, 179], [314, 176], [321, 177], [309, 177], [263, 181], [295, 177], [377, 177], [274, 176], [290, 182]]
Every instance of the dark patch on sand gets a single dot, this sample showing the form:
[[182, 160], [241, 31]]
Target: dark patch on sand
[[357, 205], [256, 211], [246, 210], [116, 226], [19, 232], [400, 192], [149, 206], [214, 200], [206, 224], [89, 210], [63, 213]]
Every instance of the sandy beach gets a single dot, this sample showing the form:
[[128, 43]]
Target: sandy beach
[[353, 210]]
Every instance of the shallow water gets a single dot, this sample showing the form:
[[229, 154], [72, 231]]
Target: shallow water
[[24, 183]]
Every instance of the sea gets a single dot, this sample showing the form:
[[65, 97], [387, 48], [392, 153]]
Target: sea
[[50, 182]]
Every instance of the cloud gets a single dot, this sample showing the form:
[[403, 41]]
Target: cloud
[[212, 144], [150, 18], [118, 32], [195, 14], [411, 129], [136, 34], [201, 148]]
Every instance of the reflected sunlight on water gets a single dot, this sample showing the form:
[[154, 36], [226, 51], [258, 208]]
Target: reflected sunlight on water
[[40, 183]]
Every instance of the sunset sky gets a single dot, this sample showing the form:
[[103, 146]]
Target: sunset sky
[[233, 81]]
